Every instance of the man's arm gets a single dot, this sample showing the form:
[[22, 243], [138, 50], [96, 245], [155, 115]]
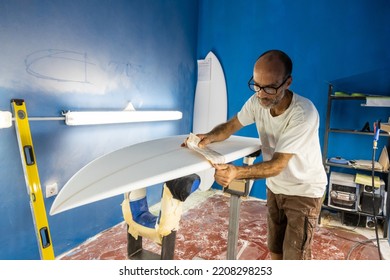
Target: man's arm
[[220, 132], [225, 173]]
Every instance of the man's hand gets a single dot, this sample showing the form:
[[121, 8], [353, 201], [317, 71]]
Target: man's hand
[[204, 140], [225, 174], [219, 133]]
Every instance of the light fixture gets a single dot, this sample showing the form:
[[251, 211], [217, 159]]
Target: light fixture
[[111, 117], [129, 115], [5, 119]]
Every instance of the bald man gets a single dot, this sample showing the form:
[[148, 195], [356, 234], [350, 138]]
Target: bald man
[[287, 124]]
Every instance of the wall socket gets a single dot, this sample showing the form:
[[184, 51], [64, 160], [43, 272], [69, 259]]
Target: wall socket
[[51, 190]]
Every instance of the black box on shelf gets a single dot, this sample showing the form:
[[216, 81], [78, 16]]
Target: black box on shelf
[[358, 220], [366, 203], [353, 219], [370, 195]]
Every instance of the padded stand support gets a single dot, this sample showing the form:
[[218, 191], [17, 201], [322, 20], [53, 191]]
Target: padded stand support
[[161, 229], [237, 189], [136, 252]]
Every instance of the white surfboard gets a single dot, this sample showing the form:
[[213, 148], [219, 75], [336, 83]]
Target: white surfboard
[[210, 106], [142, 165]]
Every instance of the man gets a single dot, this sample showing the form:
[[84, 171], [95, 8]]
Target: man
[[288, 128]]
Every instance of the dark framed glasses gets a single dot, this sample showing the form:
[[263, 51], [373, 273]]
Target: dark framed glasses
[[268, 89]]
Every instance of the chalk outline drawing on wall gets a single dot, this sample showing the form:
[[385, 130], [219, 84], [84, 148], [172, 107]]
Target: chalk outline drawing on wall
[[61, 70], [46, 64]]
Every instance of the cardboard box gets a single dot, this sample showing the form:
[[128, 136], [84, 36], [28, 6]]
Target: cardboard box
[[385, 127], [384, 159]]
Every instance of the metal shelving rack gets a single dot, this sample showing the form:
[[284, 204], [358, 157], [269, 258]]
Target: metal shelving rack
[[328, 165]]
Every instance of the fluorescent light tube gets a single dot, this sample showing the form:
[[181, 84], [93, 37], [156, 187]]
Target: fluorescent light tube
[[111, 117]]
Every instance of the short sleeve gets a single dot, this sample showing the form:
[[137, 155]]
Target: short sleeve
[[246, 116]]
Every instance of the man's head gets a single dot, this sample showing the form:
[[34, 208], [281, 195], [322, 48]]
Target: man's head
[[271, 77], [282, 57]]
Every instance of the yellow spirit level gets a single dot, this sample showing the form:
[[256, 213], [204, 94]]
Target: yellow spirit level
[[32, 179]]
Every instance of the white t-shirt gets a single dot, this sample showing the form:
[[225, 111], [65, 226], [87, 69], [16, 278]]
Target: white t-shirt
[[295, 132]]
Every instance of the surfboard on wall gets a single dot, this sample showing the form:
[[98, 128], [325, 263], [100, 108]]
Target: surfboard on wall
[[143, 165], [210, 106]]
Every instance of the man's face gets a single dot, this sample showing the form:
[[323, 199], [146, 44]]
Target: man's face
[[270, 74]]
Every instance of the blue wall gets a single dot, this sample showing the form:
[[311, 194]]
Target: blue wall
[[344, 42], [67, 55], [85, 55]]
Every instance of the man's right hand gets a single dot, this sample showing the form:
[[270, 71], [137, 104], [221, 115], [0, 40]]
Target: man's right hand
[[204, 140]]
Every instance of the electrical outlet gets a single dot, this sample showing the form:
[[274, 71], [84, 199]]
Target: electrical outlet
[[51, 190]]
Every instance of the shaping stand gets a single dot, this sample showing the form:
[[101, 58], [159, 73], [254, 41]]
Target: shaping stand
[[135, 251], [237, 189], [161, 229]]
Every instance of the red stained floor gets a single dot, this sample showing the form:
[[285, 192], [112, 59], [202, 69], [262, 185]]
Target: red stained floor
[[203, 235]]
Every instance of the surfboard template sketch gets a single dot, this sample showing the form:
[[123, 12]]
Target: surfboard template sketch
[[41, 64]]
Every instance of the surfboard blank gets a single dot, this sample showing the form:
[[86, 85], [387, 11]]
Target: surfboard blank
[[142, 165], [210, 106]]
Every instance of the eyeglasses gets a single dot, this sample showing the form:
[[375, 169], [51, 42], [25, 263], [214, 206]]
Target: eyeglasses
[[268, 89]]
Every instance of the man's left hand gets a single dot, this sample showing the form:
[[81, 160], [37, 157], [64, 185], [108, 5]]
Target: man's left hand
[[225, 174]]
